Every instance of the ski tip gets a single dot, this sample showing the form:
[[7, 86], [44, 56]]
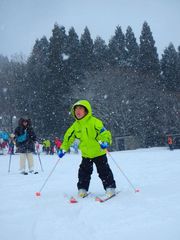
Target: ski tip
[[97, 199], [73, 200], [137, 190], [38, 194]]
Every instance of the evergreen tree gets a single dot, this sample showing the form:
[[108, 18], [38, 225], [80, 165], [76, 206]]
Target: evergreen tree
[[132, 49], [4, 90], [100, 54], [86, 50], [148, 58], [178, 71], [19, 85], [73, 55], [12, 80], [117, 52], [169, 68], [58, 81], [38, 79], [74, 69], [57, 51]]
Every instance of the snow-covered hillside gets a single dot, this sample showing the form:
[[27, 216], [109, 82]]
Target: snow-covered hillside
[[153, 213]]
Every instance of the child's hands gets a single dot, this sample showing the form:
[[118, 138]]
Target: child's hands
[[61, 153]]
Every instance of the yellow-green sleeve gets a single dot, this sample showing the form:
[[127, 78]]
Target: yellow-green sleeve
[[69, 138], [103, 134]]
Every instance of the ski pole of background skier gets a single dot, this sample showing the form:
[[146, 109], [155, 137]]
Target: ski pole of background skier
[[38, 153], [46, 180], [10, 156], [125, 176]]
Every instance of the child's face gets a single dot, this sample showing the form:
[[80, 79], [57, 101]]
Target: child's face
[[79, 112]]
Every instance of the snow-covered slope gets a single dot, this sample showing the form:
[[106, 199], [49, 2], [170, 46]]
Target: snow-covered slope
[[153, 213]]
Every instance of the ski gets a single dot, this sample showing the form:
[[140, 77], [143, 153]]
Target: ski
[[100, 199], [26, 173], [105, 198], [73, 199], [32, 172]]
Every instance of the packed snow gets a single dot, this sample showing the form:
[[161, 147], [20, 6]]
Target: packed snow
[[152, 213]]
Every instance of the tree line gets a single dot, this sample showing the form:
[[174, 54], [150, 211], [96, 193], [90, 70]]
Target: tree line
[[130, 88]]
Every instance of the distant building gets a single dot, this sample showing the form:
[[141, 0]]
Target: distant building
[[126, 143]]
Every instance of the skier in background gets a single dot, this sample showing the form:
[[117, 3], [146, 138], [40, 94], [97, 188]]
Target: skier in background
[[47, 145], [170, 142], [25, 139], [58, 143], [94, 139], [11, 144]]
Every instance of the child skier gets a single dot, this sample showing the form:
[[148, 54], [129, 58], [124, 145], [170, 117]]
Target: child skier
[[94, 139]]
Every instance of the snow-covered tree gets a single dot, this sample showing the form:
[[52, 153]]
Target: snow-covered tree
[[86, 50], [100, 54], [169, 68], [38, 84], [148, 57], [132, 49], [117, 52]]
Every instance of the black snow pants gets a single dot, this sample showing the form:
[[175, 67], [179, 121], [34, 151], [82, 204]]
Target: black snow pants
[[103, 169]]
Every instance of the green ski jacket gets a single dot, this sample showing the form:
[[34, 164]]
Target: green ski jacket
[[89, 130]]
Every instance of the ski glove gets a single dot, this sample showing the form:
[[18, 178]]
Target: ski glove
[[61, 153], [103, 145]]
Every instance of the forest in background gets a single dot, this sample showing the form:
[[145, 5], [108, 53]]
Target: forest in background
[[131, 89]]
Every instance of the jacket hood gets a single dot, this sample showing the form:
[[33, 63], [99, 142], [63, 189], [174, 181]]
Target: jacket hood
[[85, 104], [21, 120]]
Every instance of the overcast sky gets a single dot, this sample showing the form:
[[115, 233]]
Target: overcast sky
[[23, 21]]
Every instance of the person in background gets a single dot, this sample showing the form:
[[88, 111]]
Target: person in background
[[58, 143], [52, 146], [1, 146], [11, 144], [25, 139], [93, 141], [47, 145], [170, 142], [4, 137]]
